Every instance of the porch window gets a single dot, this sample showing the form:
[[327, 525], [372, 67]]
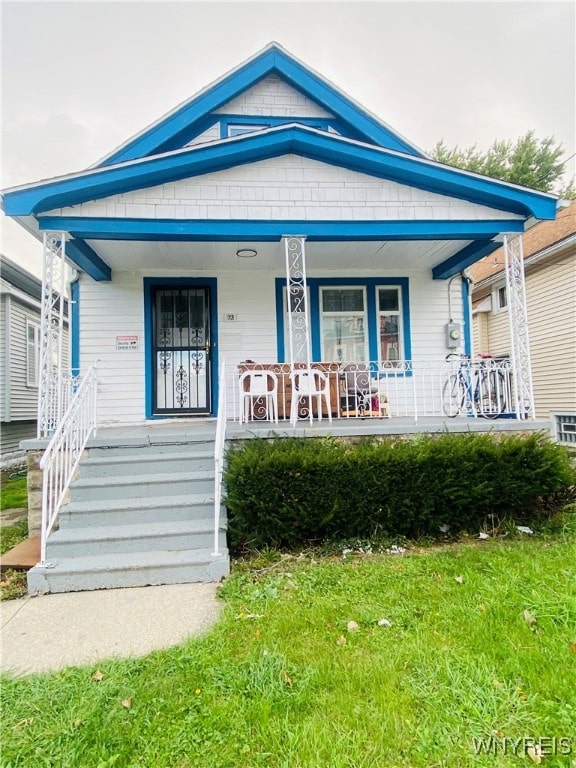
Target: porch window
[[32, 353], [390, 342], [343, 325], [352, 319]]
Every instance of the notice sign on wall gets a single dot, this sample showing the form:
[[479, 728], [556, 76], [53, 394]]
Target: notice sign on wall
[[125, 343]]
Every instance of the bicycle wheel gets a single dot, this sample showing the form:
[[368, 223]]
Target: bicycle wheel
[[453, 396], [491, 395]]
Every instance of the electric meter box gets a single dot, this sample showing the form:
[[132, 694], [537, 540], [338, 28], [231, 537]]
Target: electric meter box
[[453, 335]]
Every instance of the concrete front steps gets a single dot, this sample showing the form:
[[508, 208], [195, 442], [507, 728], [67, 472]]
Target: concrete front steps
[[138, 514]]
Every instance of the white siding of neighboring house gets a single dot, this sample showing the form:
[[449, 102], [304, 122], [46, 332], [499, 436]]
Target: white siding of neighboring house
[[4, 342], [273, 97], [108, 310], [23, 398], [284, 188], [551, 308], [551, 297]]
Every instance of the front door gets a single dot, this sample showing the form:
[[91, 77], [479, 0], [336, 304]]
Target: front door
[[181, 351]]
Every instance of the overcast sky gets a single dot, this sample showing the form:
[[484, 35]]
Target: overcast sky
[[79, 78]]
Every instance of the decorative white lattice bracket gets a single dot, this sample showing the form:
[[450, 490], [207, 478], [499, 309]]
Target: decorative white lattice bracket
[[518, 320]]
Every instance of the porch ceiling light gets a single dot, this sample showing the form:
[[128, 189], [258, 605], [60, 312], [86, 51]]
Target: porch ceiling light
[[246, 253]]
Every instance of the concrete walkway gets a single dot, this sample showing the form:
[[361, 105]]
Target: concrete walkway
[[50, 632]]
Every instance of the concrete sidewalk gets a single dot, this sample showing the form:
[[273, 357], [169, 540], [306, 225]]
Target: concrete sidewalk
[[50, 632]]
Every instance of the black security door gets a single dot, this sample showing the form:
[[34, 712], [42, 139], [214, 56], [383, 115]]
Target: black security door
[[181, 354]]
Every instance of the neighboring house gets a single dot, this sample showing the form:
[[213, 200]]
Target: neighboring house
[[20, 302], [549, 250], [189, 239]]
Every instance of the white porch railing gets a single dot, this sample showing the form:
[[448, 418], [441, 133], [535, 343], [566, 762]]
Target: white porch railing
[[457, 386], [64, 450], [219, 444]]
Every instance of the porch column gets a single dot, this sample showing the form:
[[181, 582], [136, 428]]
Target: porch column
[[51, 400], [297, 300], [518, 321]]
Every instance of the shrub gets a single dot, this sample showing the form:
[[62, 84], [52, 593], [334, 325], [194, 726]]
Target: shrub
[[290, 492]]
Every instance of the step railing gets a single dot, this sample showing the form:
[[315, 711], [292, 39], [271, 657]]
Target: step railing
[[219, 445], [63, 453]]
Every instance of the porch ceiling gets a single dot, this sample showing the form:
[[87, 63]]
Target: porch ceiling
[[403, 256]]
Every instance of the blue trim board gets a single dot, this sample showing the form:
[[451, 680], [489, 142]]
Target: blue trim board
[[464, 258], [371, 284], [262, 230], [88, 260], [274, 142], [75, 327], [467, 316], [149, 283], [272, 60]]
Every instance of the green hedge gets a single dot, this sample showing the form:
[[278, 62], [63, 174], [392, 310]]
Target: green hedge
[[289, 492]]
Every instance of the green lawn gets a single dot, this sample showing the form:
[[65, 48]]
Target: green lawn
[[481, 643], [13, 493]]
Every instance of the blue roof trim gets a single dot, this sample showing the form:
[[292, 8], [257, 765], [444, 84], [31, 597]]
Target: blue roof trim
[[261, 145], [272, 60], [264, 230], [464, 258], [88, 260]]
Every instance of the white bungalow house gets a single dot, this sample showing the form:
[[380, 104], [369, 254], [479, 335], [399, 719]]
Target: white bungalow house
[[187, 240]]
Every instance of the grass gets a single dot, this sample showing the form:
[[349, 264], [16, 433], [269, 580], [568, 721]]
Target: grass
[[14, 493], [12, 583], [482, 643]]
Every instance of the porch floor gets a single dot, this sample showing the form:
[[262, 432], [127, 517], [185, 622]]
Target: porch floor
[[182, 430]]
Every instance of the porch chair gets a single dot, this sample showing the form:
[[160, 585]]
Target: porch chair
[[258, 396], [309, 384], [359, 391]]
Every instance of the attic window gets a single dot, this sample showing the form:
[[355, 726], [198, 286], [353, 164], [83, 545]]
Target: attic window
[[238, 130]]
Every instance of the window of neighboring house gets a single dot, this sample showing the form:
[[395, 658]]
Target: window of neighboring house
[[32, 353], [500, 298], [389, 309], [343, 324], [237, 130]]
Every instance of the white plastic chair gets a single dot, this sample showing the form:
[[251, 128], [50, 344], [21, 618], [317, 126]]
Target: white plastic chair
[[309, 384], [258, 393]]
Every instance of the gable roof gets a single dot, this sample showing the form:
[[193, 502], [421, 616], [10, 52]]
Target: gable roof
[[177, 128], [426, 174]]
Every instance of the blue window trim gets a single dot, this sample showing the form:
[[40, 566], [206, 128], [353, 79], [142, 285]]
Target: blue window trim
[[260, 145], [371, 284], [75, 322], [269, 121], [190, 282]]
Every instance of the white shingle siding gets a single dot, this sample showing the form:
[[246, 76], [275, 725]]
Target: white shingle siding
[[212, 134], [108, 310], [273, 97], [287, 187]]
